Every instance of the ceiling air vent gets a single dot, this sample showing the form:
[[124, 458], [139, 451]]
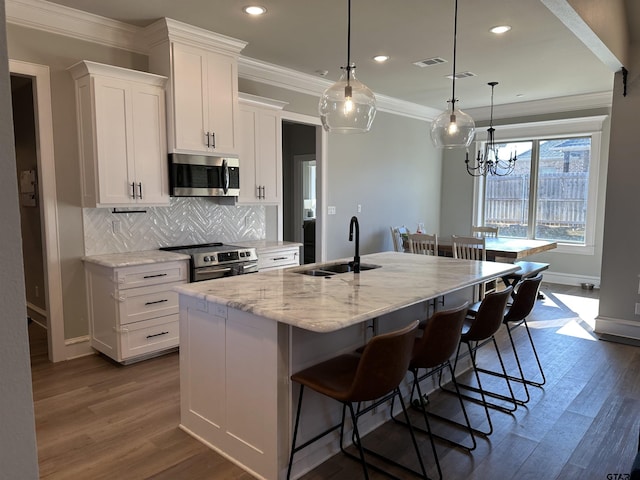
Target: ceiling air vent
[[430, 61], [463, 75]]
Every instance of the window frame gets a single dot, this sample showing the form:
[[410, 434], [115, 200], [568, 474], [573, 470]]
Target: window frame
[[549, 130]]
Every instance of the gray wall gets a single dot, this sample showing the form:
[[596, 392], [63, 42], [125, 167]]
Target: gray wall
[[18, 457], [621, 258], [393, 171]]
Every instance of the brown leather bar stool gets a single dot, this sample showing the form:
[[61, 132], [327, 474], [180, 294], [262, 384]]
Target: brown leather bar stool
[[476, 332], [515, 316], [431, 353], [373, 376]]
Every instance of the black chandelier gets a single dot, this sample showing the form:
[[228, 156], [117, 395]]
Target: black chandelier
[[489, 162]]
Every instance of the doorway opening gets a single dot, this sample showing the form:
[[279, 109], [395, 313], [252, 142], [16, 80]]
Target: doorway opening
[[303, 170], [35, 171]]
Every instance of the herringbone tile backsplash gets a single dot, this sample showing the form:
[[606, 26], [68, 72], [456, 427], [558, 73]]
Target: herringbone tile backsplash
[[186, 221]]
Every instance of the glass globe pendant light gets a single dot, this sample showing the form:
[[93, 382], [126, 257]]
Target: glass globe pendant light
[[347, 106], [453, 128]]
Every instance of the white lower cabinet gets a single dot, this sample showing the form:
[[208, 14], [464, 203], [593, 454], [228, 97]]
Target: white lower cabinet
[[133, 310]]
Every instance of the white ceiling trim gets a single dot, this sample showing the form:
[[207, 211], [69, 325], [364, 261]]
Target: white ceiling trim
[[542, 107], [61, 20], [574, 22], [277, 76]]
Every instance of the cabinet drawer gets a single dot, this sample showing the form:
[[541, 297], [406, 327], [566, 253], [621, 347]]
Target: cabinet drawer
[[153, 274], [149, 336], [144, 303], [278, 258]]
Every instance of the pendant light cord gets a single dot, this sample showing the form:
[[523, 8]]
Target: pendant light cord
[[455, 41], [348, 68]]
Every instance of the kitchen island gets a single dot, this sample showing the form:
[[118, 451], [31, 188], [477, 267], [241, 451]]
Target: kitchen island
[[242, 337]]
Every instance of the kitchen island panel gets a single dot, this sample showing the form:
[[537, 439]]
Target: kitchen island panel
[[234, 384]]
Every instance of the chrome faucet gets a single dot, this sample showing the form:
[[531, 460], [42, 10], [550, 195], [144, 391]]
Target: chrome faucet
[[356, 258]]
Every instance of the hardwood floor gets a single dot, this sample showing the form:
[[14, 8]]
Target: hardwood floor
[[98, 420]]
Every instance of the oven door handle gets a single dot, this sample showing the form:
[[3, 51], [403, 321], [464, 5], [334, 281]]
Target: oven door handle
[[213, 270]]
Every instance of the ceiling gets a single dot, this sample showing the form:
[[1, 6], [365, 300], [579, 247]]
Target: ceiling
[[538, 59]]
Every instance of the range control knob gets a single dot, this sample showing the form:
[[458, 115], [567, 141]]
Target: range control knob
[[207, 258]]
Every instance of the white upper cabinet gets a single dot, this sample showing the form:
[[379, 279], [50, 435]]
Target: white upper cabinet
[[122, 136], [260, 150], [202, 100]]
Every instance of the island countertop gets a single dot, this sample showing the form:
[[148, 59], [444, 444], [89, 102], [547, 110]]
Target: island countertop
[[325, 304]]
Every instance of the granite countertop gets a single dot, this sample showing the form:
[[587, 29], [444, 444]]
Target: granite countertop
[[266, 244], [325, 304], [128, 259]]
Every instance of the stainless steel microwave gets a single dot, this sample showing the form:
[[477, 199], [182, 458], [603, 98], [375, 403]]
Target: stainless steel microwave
[[203, 176]]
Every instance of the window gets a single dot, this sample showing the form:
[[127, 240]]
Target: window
[[551, 194]]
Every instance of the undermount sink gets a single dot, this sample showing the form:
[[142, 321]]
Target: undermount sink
[[331, 269]]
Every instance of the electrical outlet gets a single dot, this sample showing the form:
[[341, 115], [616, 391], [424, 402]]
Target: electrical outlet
[[115, 226], [331, 210], [637, 308]]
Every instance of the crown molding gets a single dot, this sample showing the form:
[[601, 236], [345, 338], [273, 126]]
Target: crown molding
[[277, 76], [168, 29], [546, 106], [61, 20]]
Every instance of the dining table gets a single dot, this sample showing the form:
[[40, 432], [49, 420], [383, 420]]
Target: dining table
[[503, 248]]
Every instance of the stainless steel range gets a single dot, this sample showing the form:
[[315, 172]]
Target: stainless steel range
[[217, 260]]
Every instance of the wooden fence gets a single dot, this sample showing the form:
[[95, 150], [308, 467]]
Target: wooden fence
[[562, 200]]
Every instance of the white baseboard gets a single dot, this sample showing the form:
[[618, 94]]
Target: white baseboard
[[617, 327], [569, 278], [78, 347]]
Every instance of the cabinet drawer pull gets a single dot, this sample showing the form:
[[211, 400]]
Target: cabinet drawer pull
[[133, 190], [140, 190], [279, 258], [213, 140], [157, 334], [207, 135], [157, 301], [156, 275]]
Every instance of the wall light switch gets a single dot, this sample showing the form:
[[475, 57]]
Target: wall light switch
[[331, 210], [359, 208]]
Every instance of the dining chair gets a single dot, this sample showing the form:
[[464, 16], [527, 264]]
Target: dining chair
[[472, 248], [423, 243], [484, 231], [397, 234], [374, 376]]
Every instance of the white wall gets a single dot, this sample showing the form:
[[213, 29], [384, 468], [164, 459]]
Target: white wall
[[18, 458]]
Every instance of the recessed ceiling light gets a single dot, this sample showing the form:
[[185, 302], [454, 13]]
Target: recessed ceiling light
[[254, 10], [500, 29], [381, 58]]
